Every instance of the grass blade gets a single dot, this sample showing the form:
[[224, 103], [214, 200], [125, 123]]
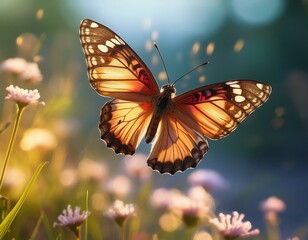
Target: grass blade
[[5, 225]]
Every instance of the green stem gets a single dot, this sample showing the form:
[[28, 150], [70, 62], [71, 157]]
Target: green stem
[[87, 210], [122, 232], [12, 140]]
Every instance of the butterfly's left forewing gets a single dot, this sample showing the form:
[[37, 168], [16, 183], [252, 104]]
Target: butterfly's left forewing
[[114, 69], [216, 110]]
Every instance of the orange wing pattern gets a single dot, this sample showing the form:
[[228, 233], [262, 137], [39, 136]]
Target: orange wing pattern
[[176, 147], [123, 124], [114, 69], [216, 110]]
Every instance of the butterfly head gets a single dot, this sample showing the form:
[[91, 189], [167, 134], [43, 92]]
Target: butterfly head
[[168, 88]]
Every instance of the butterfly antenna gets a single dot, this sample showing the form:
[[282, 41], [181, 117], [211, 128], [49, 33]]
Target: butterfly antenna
[[202, 64], [155, 45]]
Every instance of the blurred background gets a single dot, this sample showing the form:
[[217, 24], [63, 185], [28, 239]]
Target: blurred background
[[256, 39]]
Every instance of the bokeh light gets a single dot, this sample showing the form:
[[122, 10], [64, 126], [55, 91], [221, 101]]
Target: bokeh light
[[258, 12]]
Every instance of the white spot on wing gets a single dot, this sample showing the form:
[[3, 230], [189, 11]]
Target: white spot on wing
[[231, 82], [260, 86], [247, 106], [87, 31], [239, 99], [120, 40], [87, 39], [235, 85], [110, 44], [238, 114], [94, 25], [115, 41], [237, 91], [102, 48]]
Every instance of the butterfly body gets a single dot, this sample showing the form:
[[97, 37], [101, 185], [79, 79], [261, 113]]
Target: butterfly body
[[177, 126], [162, 105]]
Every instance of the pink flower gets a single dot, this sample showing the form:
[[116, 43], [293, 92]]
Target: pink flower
[[119, 186], [272, 204], [23, 97], [27, 71], [92, 170], [120, 211], [31, 73], [163, 198], [198, 194], [208, 179], [191, 211], [233, 227], [192, 207], [13, 65], [71, 218]]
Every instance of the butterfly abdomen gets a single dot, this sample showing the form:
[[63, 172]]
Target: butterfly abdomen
[[161, 103], [152, 128]]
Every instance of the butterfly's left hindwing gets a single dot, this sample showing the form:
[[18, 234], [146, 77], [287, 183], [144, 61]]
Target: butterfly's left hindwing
[[216, 110], [114, 69]]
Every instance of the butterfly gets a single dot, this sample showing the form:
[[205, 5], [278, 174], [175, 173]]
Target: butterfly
[[179, 125]]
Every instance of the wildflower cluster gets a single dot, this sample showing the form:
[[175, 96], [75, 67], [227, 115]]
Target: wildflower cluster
[[233, 227], [19, 67], [23, 97]]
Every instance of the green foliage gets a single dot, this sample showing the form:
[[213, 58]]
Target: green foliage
[[6, 223]]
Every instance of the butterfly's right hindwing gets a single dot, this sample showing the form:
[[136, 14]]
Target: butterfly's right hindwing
[[123, 124]]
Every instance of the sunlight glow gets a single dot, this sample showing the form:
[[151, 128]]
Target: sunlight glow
[[258, 12], [178, 20]]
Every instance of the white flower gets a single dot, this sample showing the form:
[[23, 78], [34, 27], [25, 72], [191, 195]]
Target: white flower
[[31, 73], [13, 66], [120, 211], [209, 179], [70, 218], [272, 204], [233, 226], [23, 97]]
